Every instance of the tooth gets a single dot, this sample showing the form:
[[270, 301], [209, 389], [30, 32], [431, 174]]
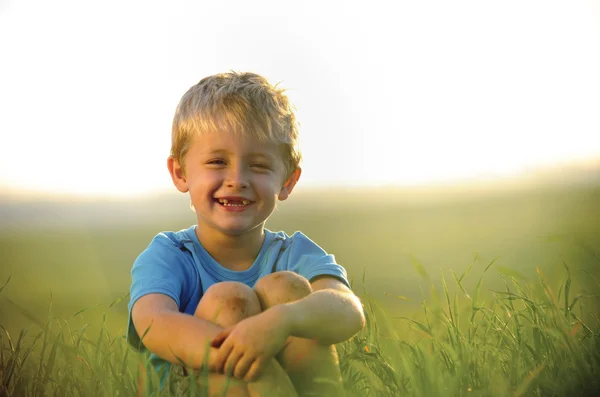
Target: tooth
[[245, 202], [224, 201]]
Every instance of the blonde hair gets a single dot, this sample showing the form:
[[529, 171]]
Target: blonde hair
[[242, 103]]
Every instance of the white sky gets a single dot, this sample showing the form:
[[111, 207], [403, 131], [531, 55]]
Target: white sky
[[416, 92]]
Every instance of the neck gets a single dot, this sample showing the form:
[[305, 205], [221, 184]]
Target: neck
[[232, 252]]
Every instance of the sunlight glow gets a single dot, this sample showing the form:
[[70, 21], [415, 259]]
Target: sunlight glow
[[406, 95]]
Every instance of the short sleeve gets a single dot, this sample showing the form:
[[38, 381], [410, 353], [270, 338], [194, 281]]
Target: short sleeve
[[162, 268], [305, 257]]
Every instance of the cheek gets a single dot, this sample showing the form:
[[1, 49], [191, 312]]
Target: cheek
[[271, 186], [201, 187]]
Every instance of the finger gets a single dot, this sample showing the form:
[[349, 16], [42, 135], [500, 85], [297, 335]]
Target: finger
[[232, 361], [221, 336], [242, 366], [221, 357], [255, 370]]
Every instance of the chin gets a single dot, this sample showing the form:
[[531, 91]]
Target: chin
[[234, 231], [238, 231]]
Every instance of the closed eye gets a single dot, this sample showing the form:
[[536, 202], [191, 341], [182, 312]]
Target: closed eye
[[261, 166]]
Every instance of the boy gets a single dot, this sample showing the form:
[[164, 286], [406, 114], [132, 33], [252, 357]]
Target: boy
[[227, 294]]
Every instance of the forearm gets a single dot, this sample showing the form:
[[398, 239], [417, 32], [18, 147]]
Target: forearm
[[178, 337], [184, 339], [328, 316]]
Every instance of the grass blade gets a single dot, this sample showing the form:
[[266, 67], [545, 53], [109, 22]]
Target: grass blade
[[419, 268]]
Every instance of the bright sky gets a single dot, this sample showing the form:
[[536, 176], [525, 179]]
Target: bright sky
[[417, 92]]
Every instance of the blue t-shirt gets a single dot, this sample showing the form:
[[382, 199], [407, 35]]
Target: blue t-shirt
[[177, 265]]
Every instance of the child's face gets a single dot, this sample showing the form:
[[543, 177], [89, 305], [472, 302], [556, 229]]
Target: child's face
[[234, 182]]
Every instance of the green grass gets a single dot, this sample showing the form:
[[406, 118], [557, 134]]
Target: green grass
[[522, 326], [531, 338], [527, 339], [84, 264]]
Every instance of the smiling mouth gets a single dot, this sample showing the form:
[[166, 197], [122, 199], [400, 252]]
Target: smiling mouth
[[233, 203]]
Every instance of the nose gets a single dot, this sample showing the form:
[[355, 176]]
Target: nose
[[237, 177]]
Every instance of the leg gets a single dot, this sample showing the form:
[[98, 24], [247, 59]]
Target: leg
[[226, 304], [312, 367]]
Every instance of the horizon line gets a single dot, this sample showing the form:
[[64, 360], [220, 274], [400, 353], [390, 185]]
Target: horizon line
[[546, 175]]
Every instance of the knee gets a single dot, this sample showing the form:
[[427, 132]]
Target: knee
[[281, 287], [227, 303]]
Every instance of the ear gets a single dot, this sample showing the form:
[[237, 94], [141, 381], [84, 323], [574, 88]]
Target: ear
[[288, 186], [177, 174]]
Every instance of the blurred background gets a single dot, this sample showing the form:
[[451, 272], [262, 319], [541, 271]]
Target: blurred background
[[435, 135]]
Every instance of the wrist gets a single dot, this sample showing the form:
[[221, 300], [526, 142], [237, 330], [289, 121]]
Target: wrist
[[288, 316]]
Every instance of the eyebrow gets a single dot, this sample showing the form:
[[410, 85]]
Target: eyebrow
[[266, 156], [218, 151]]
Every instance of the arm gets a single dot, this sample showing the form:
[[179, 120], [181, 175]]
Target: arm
[[331, 314], [171, 334], [178, 337]]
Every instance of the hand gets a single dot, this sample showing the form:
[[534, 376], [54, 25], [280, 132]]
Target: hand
[[246, 348]]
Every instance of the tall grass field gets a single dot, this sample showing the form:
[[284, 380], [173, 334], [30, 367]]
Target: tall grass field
[[494, 295]]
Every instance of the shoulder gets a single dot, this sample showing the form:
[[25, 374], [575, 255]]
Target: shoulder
[[165, 266], [168, 243], [302, 255], [172, 239], [300, 249], [300, 243], [166, 249]]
